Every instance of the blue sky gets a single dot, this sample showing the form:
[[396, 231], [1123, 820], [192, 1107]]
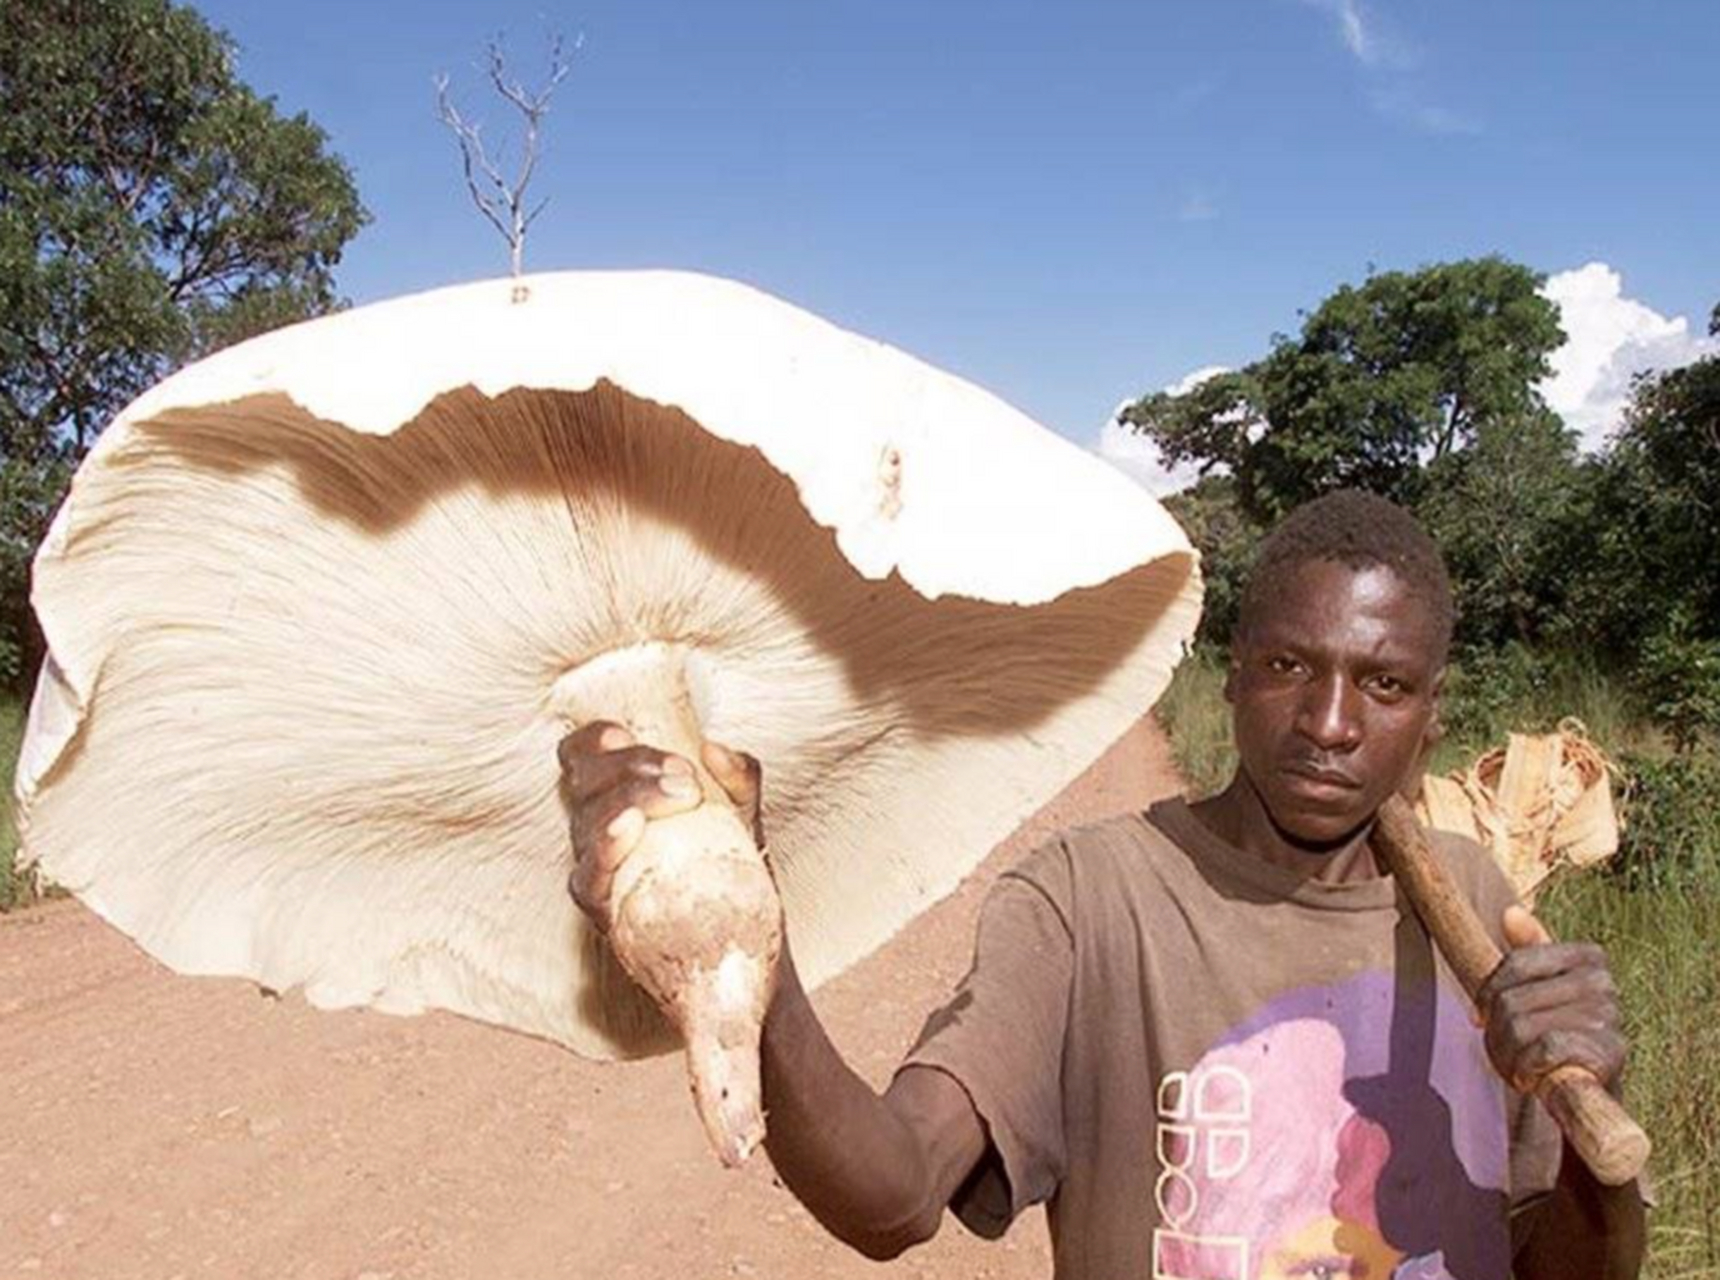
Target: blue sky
[[1067, 203]]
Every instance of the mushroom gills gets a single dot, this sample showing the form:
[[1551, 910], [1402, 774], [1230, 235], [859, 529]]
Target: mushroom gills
[[697, 921]]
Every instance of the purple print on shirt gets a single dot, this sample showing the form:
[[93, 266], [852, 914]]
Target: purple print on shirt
[[1341, 1133]]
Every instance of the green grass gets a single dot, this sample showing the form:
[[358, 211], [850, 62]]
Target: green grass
[[15, 888], [1197, 718], [1664, 948], [1490, 695], [1662, 936]]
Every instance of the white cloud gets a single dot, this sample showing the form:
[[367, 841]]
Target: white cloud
[[1608, 338], [1189, 96], [1138, 457], [1389, 66], [1432, 119], [1358, 32], [1355, 35]]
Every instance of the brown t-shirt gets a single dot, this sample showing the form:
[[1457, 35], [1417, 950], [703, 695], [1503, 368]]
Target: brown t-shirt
[[1214, 1069]]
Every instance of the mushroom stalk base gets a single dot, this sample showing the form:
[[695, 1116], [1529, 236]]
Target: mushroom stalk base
[[697, 921]]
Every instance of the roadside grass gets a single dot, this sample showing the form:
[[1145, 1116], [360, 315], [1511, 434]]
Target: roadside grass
[[1660, 924], [1664, 948], [16, 888]]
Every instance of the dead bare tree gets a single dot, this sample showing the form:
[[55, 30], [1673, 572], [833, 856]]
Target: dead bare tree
[[501, 199]]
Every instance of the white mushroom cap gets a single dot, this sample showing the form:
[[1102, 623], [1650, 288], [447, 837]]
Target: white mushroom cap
[[308, 600]]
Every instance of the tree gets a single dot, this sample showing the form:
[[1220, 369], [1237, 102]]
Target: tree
[[1385, 377], [152, 209], [1499, 510], [1227, 541], [1668, 457], [1642, 558], [501, 199]]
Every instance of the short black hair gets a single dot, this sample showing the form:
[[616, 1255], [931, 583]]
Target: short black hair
[[1361, 530]]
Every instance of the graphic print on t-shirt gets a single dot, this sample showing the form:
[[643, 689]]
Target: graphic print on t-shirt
[[1316, 1140]]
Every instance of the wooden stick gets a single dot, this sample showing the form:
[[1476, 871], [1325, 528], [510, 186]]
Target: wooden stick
[[1612, 1144]]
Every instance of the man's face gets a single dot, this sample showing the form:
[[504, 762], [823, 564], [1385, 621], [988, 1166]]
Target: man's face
[[1333, 690]]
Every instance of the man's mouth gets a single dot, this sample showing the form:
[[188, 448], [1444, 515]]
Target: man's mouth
[[1321, 777]]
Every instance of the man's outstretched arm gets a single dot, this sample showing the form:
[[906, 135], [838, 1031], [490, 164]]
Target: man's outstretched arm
[[877, 1171]]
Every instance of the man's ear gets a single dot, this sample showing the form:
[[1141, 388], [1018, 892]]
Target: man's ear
[[1232, 664], [1435, 731], [1410, 787]]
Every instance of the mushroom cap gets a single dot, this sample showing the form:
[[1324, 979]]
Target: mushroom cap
[[307, 601]]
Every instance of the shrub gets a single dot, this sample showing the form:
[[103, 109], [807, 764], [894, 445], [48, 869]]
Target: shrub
[[1679, 677], [1671, 824], [1488, 693]]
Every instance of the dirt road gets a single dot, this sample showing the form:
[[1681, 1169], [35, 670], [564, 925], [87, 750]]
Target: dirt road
[[153, 1126]]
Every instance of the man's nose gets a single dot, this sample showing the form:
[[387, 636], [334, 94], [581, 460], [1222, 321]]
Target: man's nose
[[1330, 714]]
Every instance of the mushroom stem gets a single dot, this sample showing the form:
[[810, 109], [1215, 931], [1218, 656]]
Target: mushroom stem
[[697, 921]]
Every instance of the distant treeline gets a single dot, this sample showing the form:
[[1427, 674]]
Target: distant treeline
[[1423, 386]]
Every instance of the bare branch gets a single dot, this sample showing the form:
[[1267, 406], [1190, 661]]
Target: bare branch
[[473, 159], [505, 208]]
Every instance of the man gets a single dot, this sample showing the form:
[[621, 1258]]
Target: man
[[1210, 1036]]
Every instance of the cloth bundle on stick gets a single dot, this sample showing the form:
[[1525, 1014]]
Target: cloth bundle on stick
[[1540, 803]]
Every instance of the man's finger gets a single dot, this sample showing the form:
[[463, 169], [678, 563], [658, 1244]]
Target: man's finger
[[1535, 964], [593, 876], [662, 796], [592, 776], [593, 738], [1523, 929], [736, 773], [1588, 989]]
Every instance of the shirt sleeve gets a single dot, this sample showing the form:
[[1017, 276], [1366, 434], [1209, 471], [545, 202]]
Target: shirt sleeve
[[1001, 1038]]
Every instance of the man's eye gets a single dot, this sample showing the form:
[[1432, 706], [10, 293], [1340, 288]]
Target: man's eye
[[1282, 666], [1388, 685]]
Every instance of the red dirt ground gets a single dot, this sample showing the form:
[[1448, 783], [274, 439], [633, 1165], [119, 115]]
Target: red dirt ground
[[154, 1127]]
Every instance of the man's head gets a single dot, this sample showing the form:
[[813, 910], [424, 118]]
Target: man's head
[[1337, 662]]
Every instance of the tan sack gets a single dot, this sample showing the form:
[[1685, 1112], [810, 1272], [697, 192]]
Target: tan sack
[[1542, 802]]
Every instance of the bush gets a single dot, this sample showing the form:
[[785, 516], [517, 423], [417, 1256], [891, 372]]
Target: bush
[[1197, 719], [1679, 678], [16, 888], [1227, 540], [1487, 693], [1671, 824], [1492, 692]]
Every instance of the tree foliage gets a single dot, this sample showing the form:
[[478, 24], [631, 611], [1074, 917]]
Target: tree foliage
[[1640, 558], [1500, 510], [152, 209], [1227, 540], [1423, 386], [1405, 368]]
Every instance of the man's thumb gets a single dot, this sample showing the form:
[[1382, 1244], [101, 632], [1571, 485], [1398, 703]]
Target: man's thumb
[[1522, 929]]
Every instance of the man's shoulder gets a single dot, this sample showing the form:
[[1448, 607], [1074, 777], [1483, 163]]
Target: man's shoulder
[[1479, 876], [1091, 856], [1473, 867]]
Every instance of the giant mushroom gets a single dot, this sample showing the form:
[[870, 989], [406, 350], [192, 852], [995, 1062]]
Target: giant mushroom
[[320, 607]]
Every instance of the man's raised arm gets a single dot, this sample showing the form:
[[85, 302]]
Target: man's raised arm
[[876, 1171]]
